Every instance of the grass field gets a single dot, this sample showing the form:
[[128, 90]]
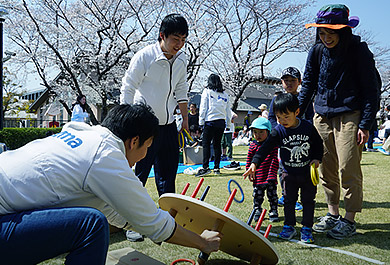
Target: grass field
[[373, 224]]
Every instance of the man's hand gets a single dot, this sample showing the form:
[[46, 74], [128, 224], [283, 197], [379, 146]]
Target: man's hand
[[184, 125], [213, 241], [362, 136], [184, 114], [251, 172]]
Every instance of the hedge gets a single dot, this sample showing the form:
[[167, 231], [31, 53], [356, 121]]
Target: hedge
[[17, 137]]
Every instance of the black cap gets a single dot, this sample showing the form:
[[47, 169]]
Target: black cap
[[291, 71]]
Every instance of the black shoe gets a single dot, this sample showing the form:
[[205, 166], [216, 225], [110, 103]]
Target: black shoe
[[203, 172], [273, 217], [233, 166], [257, 215]]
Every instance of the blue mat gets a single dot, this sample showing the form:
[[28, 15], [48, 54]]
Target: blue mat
[[383, 151], [182, 167]]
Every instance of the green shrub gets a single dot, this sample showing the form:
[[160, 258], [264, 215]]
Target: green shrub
[[17, 137]]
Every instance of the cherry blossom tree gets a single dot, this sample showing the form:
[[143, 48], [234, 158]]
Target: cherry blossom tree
[[255, 34], [89, 42]]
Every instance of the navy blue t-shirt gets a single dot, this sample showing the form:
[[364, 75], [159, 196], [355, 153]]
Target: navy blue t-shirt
[[298, 146]]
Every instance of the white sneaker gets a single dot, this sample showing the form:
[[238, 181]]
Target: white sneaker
[[134, 236]]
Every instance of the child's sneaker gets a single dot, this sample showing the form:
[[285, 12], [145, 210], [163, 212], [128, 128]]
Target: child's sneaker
[[257, 214], [287, 233], [326, 223], [203, 172], [306, 235], [281, 201], [343, 229], [273, 217], [216, 171], [298, 207]]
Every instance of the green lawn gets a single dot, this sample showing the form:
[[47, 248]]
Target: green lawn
[[373, 224]]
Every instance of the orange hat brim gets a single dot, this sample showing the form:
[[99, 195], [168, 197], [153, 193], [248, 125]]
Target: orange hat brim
[[329, 26]]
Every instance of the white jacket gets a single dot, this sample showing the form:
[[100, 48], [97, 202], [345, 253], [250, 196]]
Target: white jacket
[[152, 79], [214, 106], [78, 114], [80, 166]]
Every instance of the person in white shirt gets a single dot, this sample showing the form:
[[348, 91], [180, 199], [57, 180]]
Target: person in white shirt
[[215, 116], [264, 112], [79, 113], [157, 76], [57, 193]]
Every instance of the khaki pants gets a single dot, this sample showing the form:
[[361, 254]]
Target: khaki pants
[[386, 144], [341, 159]]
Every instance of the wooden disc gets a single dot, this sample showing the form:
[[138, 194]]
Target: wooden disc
[[239, 239]]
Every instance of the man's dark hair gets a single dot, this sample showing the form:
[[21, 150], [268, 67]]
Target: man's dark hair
[[285, 103], [173, 24], [128, 121]]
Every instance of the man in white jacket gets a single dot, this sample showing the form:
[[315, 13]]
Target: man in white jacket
[[48, 185], [157, 76]]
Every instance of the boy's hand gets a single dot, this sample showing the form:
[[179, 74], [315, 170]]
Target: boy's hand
[[251, 172], [316, 162]]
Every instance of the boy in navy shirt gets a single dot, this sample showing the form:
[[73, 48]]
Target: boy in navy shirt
[[300, 146]]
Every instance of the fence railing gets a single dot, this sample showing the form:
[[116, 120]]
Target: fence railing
[[33, 123]]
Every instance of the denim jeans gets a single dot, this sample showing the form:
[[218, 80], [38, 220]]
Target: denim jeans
[[31, 237]]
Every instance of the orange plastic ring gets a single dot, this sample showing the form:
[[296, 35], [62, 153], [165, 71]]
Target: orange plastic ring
[[183, 260]]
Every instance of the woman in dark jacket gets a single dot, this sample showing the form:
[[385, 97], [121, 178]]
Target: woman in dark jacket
[[340, 72]]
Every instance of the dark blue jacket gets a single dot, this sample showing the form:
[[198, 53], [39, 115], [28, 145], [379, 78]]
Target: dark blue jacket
[[344, 81]]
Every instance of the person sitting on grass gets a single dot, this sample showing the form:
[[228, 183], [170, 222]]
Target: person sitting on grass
[[57, 193], [265, 179], [300, 145], [196, 134]]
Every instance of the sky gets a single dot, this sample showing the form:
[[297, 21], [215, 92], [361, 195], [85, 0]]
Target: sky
[[373, 15]]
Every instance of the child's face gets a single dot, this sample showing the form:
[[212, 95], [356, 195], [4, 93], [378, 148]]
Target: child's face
[[290, 84], [196, 133], [329, 37], [260, 134], [289, 119]]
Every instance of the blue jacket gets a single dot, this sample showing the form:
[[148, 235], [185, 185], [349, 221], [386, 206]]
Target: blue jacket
[[343, 80]]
